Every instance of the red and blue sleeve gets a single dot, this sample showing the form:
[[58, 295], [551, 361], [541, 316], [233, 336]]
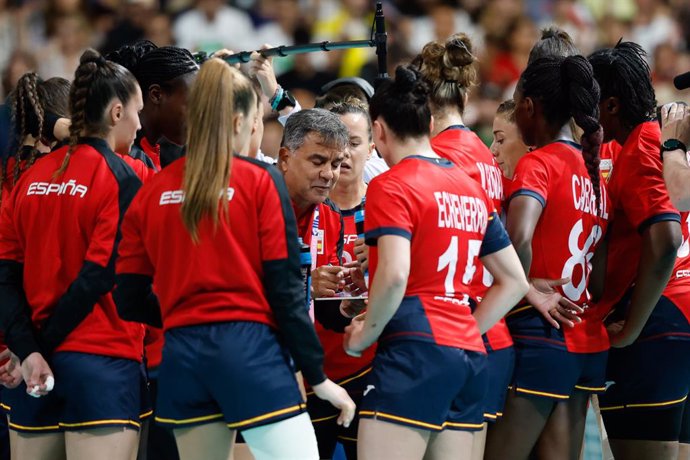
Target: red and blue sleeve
[[531, 179], [388, 211], [133, 294], [644, 197], [15, 314], [495, 238], [97, 275]]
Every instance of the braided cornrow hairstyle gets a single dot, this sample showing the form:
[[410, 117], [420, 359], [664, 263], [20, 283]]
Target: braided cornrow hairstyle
[[566, 88], [162, 65], [623, 72], [403, 103], [97, 83], [448, 67]]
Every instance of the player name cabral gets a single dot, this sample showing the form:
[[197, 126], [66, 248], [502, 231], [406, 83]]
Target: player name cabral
[[461, 212]]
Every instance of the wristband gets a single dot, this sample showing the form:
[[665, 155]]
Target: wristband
[[277, 97]]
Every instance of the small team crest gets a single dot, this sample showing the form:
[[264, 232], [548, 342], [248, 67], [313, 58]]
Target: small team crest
[[319, 241], [605, 168]]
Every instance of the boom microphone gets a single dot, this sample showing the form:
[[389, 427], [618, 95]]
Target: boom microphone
[[682, 81], [380, 39]]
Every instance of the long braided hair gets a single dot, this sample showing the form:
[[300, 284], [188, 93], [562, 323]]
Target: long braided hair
[[96, 83], [566, 89], [32, 99], [623, 72]]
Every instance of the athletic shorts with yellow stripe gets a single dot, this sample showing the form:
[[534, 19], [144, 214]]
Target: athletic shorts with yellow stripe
[[426, 386], [555, 373], [236, 373], [90, 392]]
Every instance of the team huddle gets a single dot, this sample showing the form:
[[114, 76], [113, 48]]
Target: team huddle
[[167, 292]]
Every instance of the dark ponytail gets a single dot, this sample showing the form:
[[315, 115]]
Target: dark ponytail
[[583, 94], [566, 88], [96, 83], [403, 103]]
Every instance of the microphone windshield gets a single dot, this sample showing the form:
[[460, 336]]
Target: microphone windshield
[[682, 81]]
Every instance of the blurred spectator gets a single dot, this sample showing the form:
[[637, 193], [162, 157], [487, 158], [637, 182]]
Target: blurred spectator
[[159, 30], [283, 17], [507, 65], [8, 33], [60, 57], [442, 19], [136, 16], [352, 21], [653, 25], [212, 25], [667, 64], [305, 80], [18, 64]]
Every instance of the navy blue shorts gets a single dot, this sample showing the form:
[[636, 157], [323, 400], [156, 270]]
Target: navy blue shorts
[[324, 416], [500, 368], [648, 374], [236, 373], [426, 386], [555, 373], [91, 391]]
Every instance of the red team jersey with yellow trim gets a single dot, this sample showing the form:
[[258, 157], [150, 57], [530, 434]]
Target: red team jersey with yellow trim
[[569, 229], [464, 148], [220, 279], [639, 199], [450, 223], [60, 229]]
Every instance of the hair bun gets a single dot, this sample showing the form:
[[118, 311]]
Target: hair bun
[[458, 52], [92, 56], [405, 79]]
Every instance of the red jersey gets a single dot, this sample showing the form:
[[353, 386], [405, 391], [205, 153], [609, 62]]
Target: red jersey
[[464, 148], [639, 199], [338, 364], [678, 288], [151, 151], [449, 220], [195, 283], [67, 254], [143, 172], [569, 229]]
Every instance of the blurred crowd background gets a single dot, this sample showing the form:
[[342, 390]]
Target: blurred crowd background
[[50, 35]]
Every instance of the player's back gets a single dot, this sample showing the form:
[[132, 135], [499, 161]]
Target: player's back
[[445, 214], [220, 277], [66, 227], [463, 147]]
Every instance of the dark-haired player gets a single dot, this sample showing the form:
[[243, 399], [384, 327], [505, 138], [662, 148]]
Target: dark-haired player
[[557, 216], [650, 332], [427, 224], [56, 296]]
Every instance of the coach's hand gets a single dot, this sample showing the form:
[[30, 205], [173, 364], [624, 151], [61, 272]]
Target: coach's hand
[[555, 308], [36, 371], [338, 397], [327, 280]]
